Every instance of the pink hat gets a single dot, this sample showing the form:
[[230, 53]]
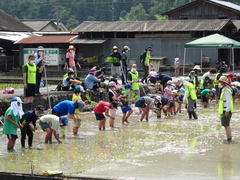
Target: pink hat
[[92, 71], [112, 84]]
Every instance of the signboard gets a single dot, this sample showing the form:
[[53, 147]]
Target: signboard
[[62, 56], [51, 54]]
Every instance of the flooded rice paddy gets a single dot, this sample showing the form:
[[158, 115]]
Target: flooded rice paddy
[[169, 148]]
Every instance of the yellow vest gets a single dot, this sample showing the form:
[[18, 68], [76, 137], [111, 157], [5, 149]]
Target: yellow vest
[[192, 92], [135, 86], [31, 74], [147, 59], [221, 101]]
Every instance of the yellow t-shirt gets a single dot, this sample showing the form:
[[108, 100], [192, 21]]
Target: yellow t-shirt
[[75, 98]]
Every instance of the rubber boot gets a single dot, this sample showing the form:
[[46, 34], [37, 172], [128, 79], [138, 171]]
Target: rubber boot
[[194, 114], [190, 114]]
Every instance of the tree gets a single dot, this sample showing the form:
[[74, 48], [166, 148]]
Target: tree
[[137, 13]]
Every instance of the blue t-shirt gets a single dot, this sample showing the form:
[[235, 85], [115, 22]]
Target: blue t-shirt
[[90, 80], [65, 107]]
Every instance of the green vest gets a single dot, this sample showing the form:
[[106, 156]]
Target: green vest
[[135, 86], [192, 92], [147, 58], [31, 74], [221, 101]]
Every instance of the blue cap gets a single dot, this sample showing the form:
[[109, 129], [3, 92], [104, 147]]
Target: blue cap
[[17, 99], [128, 85], [79, 88], [65, 120]]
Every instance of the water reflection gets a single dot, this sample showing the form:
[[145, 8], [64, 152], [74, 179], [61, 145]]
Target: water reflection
[[158, 142]]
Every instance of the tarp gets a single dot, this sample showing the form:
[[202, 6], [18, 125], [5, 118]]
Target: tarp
[[212, 41]]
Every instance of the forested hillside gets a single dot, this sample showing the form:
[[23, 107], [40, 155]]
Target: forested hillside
[[73, 12]]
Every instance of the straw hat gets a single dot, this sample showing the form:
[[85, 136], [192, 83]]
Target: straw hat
[[71, 47], [223, 79], [126, 47], [115, 48]]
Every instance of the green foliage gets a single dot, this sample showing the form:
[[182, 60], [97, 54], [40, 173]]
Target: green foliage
[[72, 13]]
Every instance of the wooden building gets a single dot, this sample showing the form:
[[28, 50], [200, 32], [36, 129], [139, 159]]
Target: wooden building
[[205, 9], [167, 37], [11, 30]]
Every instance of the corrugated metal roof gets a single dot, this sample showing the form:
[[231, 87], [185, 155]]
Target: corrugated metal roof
[[227, 4], [88, 41], [236, 23], [14, 36], [35, 24], [46, 39], [152, 26]]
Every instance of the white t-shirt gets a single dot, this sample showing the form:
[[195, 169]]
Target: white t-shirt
[[176, 64], [153, 74]]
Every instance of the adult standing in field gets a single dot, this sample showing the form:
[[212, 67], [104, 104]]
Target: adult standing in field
[[189, 98], [11, 121], [71, 60], [39, 58], [30, 117], [225, 108], [124, 63], [145, 59], [30, 71]]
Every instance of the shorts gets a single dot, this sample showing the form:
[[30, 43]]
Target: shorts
[[171, 104], [180, 98], [113, 112], [77, 123], [30, 90], [177, 70], [126, 109], [140, 103], [99, 116], [44, 125], [225, 121], [153, 80], [204, 99], [12, 136]]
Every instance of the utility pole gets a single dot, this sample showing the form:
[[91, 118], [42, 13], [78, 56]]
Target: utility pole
[[57, 15]]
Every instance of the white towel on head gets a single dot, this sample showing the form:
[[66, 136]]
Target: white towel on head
[[17, 110]]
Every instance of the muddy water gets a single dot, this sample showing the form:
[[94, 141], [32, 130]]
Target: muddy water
[[171, 147]]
